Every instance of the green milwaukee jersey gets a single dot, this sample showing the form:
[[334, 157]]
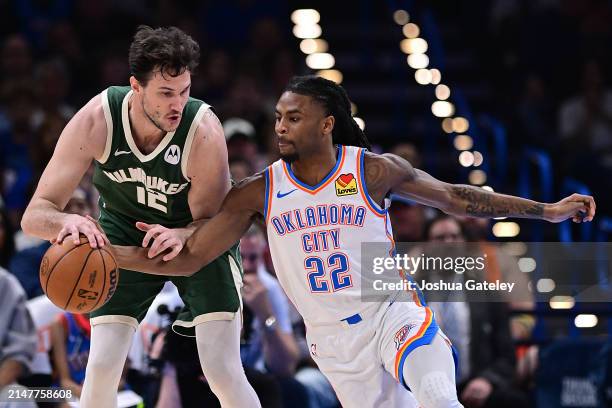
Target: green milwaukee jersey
[[152, 187]]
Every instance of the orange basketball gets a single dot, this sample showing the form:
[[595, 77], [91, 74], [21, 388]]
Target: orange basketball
[[78, 278]]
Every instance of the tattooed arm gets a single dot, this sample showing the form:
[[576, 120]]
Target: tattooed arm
[[390, 173]]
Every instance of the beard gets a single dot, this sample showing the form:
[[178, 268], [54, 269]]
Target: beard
[[290, 157], [152, 119]]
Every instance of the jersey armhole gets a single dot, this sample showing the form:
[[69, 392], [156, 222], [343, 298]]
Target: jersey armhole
[[372, 205], [268, 193], [189, 140], [109, 127]]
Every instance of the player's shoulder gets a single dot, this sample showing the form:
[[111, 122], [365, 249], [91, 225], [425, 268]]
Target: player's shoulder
[[248, 193], [386, 169]]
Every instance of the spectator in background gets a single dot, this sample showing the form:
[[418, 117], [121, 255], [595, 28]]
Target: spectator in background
[[52, 86], [535, 114], [70, 335], [481, 335], [585, 126], [269, 345], [7, 243], [17, 337], [240, 169], [241, 142], [16, 61], [408, 220], [15, 144]]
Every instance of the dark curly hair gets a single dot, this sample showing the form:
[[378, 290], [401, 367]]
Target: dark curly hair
[[166, 49], [336, 102]]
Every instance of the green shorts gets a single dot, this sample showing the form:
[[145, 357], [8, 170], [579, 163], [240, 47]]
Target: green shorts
[[212, 293]]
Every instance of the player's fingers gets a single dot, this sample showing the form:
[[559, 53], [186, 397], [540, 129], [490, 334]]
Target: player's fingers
[[61, 235], [91, 237], [161, 243], [176, 249], [152, 233], [99, 239], [74, 234], [143, 226]]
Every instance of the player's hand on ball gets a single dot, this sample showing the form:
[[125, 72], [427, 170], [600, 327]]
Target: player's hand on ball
[[75, 224], [578, 207], [164, 239]]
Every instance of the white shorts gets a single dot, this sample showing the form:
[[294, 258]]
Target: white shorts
[[364, 359]]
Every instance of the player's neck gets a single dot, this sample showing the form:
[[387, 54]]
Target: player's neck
[[314, 168]]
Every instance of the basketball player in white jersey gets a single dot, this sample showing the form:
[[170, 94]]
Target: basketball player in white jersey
[[325, 197]]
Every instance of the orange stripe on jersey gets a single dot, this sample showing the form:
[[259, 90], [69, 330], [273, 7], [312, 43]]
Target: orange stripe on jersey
[[420, 333], [330, 178], [270, 193], [362, 190]]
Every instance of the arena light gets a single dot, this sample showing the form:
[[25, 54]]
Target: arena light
[[447, 125], [488, 188], [561, 302], [505, 229], [331, 74], [515, 248], [353, 108], [545, 285], [417, 61], [463, 142], [442, 91], [401, 17], [442, 109], [477, 177], [460, 124], [466, 159], [305, 17], [422, 76], [527, 264], [311, 45], [585, 321], [320, 60], [436, 76], [360, 122], [413, 46], [411, 30], [307, 30], [478, 158]]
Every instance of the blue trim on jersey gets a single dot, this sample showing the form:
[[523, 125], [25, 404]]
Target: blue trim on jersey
[[354, 319], [365, 187], [423, 341], [267, 193], [325, 179]]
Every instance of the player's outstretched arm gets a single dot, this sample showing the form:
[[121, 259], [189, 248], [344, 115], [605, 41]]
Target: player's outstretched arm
[[241, 206], [397, 175], [82, 140], [208, 170]]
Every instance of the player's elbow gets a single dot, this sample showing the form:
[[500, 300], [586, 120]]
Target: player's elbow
[[27, 223]]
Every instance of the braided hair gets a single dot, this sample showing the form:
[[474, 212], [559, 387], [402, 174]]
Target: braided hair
[[336, 102]]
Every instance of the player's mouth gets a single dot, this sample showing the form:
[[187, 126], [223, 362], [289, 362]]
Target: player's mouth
[[174, 118], [283, 143]]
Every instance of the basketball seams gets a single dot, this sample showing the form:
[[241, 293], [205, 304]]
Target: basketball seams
[[78, 279], [58, 262], [103, 280]]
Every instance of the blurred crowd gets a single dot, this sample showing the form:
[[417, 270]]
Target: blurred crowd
[[56, 54]]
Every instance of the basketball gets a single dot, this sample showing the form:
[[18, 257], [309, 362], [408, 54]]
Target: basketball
[[78, 278]]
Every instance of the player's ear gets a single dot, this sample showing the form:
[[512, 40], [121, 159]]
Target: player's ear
[[134, 84], [328, 125]]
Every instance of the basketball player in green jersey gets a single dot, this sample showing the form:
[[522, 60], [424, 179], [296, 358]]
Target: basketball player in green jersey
[[160, 158]]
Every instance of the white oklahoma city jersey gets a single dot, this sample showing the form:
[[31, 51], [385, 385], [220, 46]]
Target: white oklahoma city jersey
[[315, 235]]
